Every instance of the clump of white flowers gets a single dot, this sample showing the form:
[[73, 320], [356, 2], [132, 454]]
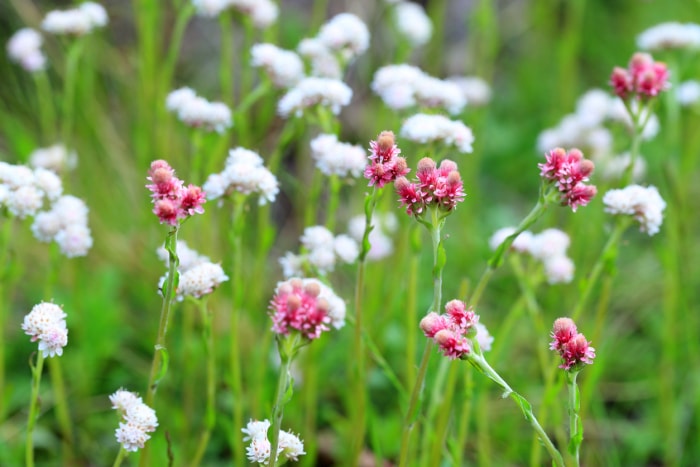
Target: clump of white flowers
[[670, 35], [263, 13], [475, 90], [46, 323], [198, 112], [290, 447], [345, 34], [644, 203], [424, 128], [336, 158], [137, 420], [56, 158], [198, 275], [321, 250], [312, 91], [24, 47], [688, 92], [66, 224], [75, 21], [548, 247], [412, 23], [284, 67], [243, 173], [405, 86], [381, 243]]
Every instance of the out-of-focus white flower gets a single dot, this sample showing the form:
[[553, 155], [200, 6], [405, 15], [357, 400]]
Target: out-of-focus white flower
[[346, 248], [549, 243], [244, 172], [521, 244], [198, 112], [324, 64], [317, 237], [56, 158], [200, 280], [74, 240], [77, 21], [24, 47], [559, 269], [475, 90], [424, 128], [210, 8], [345, 33], [670, 36], [483, 337], [618, 112], [48, 182], [313, 91], [25, 201], [284, 67], [688, 92], [413, 23], [644, 203], [188, 257], [66, 223], [138, 420], [292, 265], [46, 323], [336, 158], [381, 243], [593, 107], [612, 168]]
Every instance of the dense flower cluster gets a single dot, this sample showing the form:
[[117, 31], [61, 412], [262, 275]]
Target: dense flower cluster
[[345, 34], [173, 202], [455, 330], [413, 23], [76, 21], [573, 348], [23, 191], [313, 91], [307, 306], [198, 275], [198, 112], [404, 86], [670, 36], [643, 78], [56, 158], [284, 67], [24, 47], [439, 187], [336, 158], [321, 250], [385, 164], [381, 242], [137, 420], [424, 128], [46, 323], [290, 447], [644, 203], [243, 173], [549, 247], [569, 171], [66, 224]]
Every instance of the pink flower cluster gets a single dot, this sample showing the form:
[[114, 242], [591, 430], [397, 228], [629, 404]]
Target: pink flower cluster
[[569, 171], [385, 164], [643, 77], [437, 186], [572, 346], [450, 331], [298, 306], [172, 200]]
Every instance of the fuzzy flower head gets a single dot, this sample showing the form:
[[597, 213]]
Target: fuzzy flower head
[[298, 306], [568, 172], [173, 202], [336, 158], [200, 280], [644, 203], [244, 173], [24, 47], [345, 34], [290, 446], [453, 331], [197, 112], [438, 187], [284, 68], [75, 21], [412, 23], [670, 35], [320, 252], [642, 79], [572, 346], [137, 420], [263, 13], [313, 91], [424, 128], [385, 165], [46, 323]]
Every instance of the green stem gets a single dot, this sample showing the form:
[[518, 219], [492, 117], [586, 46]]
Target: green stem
[[68, 109], [318, 14], [246, 79], [197, 156], [5, 300], [313, 199], [120, 457], [575, 424], [181, 22], [226, 61], [47, 112], [411, 302], [333, 201], [606, 255], [61, 405], [210, 417], [33, 409]]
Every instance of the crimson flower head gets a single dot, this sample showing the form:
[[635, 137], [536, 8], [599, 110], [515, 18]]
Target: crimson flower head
[[298, 306], [453, 330], [643, 78], [440, 187], [569, 171], [172, 201], [572, 346], [385, 165]]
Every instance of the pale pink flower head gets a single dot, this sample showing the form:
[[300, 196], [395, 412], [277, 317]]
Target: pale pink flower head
[[452, 344], [46, 323], [643, 79], [297, 306], [173, 202], [454, 331], [385, 165], [433, 323], [569, 171], [563, 331], [572, 346], [462, 317], [440, 187]]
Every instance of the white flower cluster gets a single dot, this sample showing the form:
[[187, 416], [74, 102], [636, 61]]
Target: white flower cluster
[[644, 203], [23, 191], [549, 247], [284, 67], [198, 275], [613, 167], [244, 173], [336, 158], [66, 224], [77, 21], [475, 90], [198, 112], [138, 420], [46, 323], [670, 36], [483, 337], [404, 86], [413, 23], [321, 250], [289, 446], [688, 92], [424, 128], [324, 63], [56, 158], [263, 13], [24, 47], [585, 129], [380, 239], [345, 34], [313, 91]]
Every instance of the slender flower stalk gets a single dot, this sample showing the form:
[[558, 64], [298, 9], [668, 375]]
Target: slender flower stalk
[[33, 410], [575, 423], [121, 455], [210, 413], [183, 18], [45, 100], [75, 52], [226, 61]]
